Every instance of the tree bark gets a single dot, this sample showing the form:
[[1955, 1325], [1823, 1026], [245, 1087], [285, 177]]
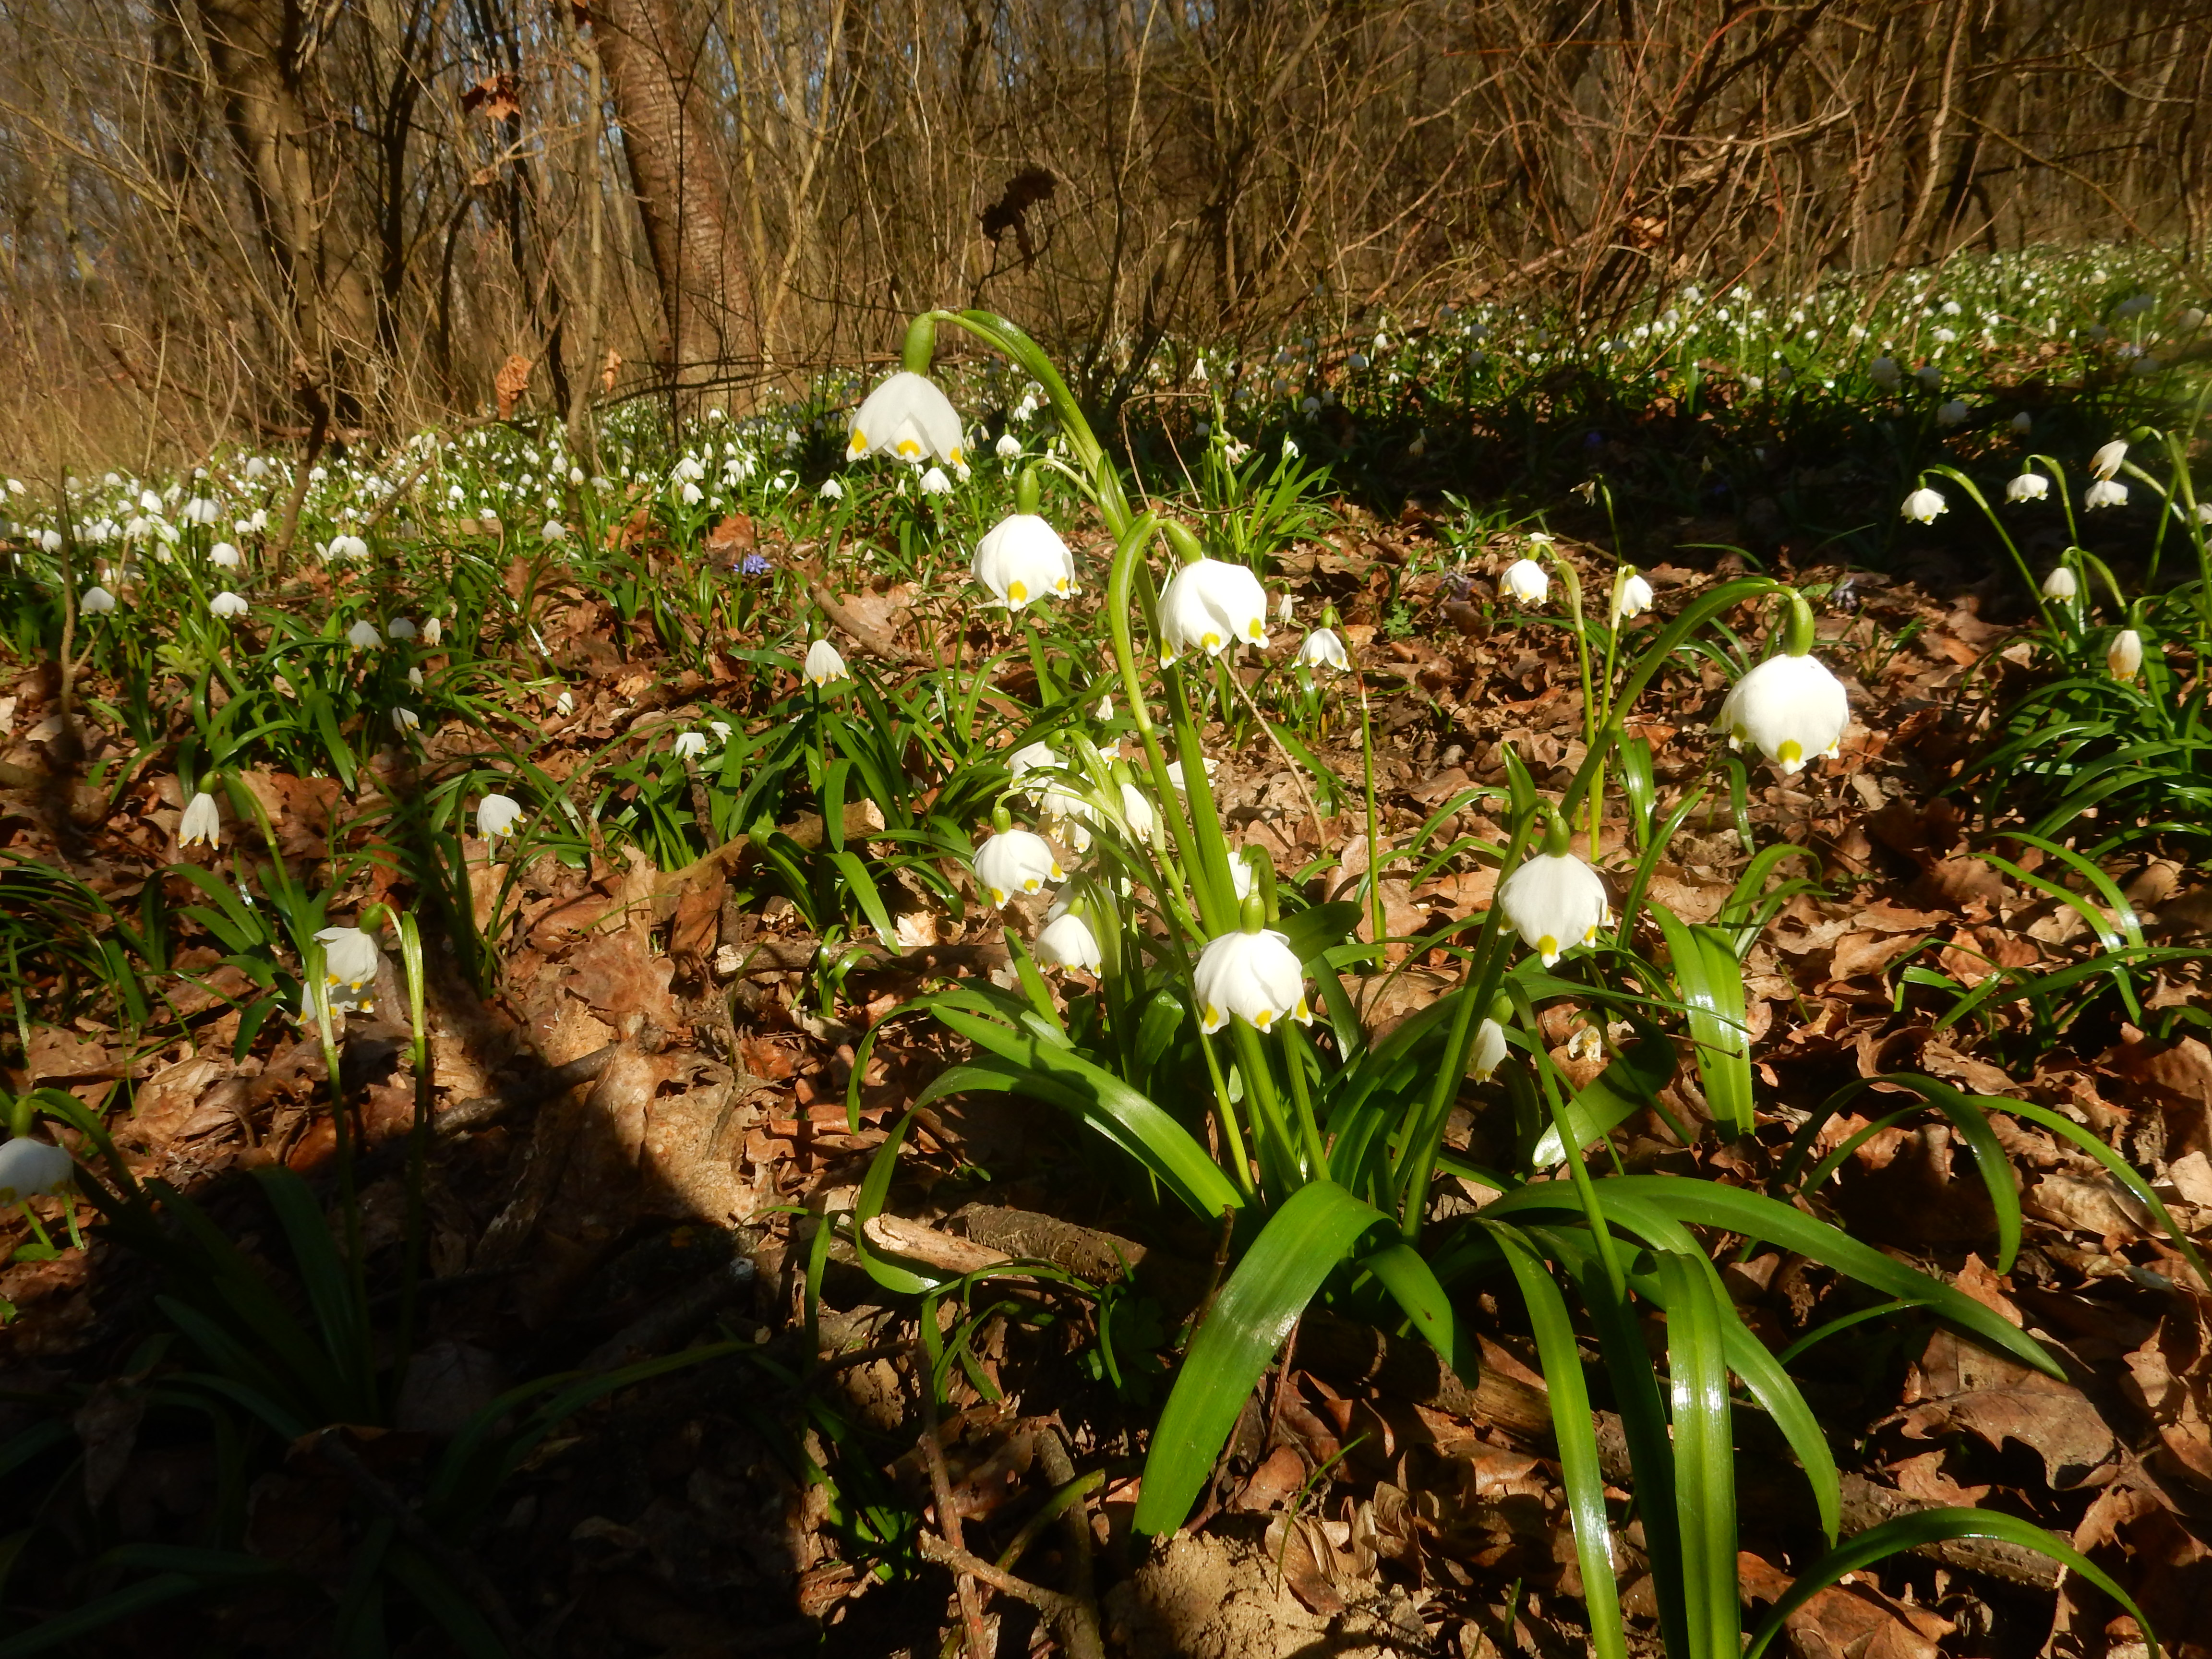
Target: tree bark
[[260, 58], [682, 189]]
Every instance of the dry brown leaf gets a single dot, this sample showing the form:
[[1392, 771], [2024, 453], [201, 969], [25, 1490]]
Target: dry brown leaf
[[2170, 1375], [511, 380], [1957, 1386]]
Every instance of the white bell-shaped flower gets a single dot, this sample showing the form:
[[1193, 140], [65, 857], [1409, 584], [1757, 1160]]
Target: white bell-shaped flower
[[363, 637], [934, 482], [1210, 605], [223, 556], [497, 815], [1067, 941], [831, 490], [1255, 976], [2105, 463], [350, 962], [2104, 493], [1631, 595], [1790, 709], [1924, 505], [201, 825], [2028, 487], [1489, 1051], [33, 1169], [404, 720], [1527, 581], [1953, 413], [2023, 422], [228, 605], [1555, 901], [907, 418], [2124, 658], [1022, 558], [565, 704], [96, 601], [1137, 813], [1008, 448], [434, 632], [2060, 583], [1884, 373], [1016, 861], [1323, 649], [689, 745], [1031, 757], [824, 665], [402, 628]]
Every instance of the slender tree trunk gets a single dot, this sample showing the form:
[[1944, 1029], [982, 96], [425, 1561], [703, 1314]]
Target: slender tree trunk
[[256, 49], [682, 191]]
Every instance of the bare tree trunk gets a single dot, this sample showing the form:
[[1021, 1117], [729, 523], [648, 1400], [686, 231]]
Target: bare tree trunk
[[682, 189], [259, 54]]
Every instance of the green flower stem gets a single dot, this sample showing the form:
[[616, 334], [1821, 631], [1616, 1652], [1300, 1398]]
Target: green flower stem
[[1127, 558], [418, 1138], [1374, 818], [1585, 1188], [1232, 1137], [1317, 1152], [1974, 494], [1415, 1165], [1288, 1172], [1648, 662]]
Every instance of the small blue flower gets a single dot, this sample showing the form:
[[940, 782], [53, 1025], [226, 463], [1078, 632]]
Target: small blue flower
[[754, 564], [1593, 439]]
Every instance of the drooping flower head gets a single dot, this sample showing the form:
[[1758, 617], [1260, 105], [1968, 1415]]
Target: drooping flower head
[[1527, 581], [1324, 649], [201, 825], [1022, 558], [1554, 900], [1790, 707], [824, 665], [497, 815], [33, 1168], [907, 418], [1924, 505], [1255, 976], [2028, 487], [2124, 658], [1210, 605], [1016, 861], [2060, 583], [349, 964], [1631, 595], [228, 605]]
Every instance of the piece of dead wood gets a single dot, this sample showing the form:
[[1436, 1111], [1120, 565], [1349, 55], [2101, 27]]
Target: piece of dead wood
[[876, 642], [1346, 1353], [531, 1091]]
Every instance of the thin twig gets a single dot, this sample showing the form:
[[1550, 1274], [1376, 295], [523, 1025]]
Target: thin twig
[[948, 1515]]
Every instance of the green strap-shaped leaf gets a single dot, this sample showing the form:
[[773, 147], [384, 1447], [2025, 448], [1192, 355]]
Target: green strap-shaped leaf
[[1168, 1149], [1607, 1100], [1576, 1433], [1399, 1269], [1711, 983], [1705, 1451], [875, 1188], [1300, 1246], [1928, 1527], [1711, 1204]]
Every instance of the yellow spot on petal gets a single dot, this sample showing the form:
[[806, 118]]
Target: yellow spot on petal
[[1000, 896], [1547, 947], [1256, 629], [858, 442], [1209, 641], [1303, 1013], [1057, 874], [1792, 752], [1031, 884], [1017, 592], [908, 450], [957, 455], [1264, 1018]]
